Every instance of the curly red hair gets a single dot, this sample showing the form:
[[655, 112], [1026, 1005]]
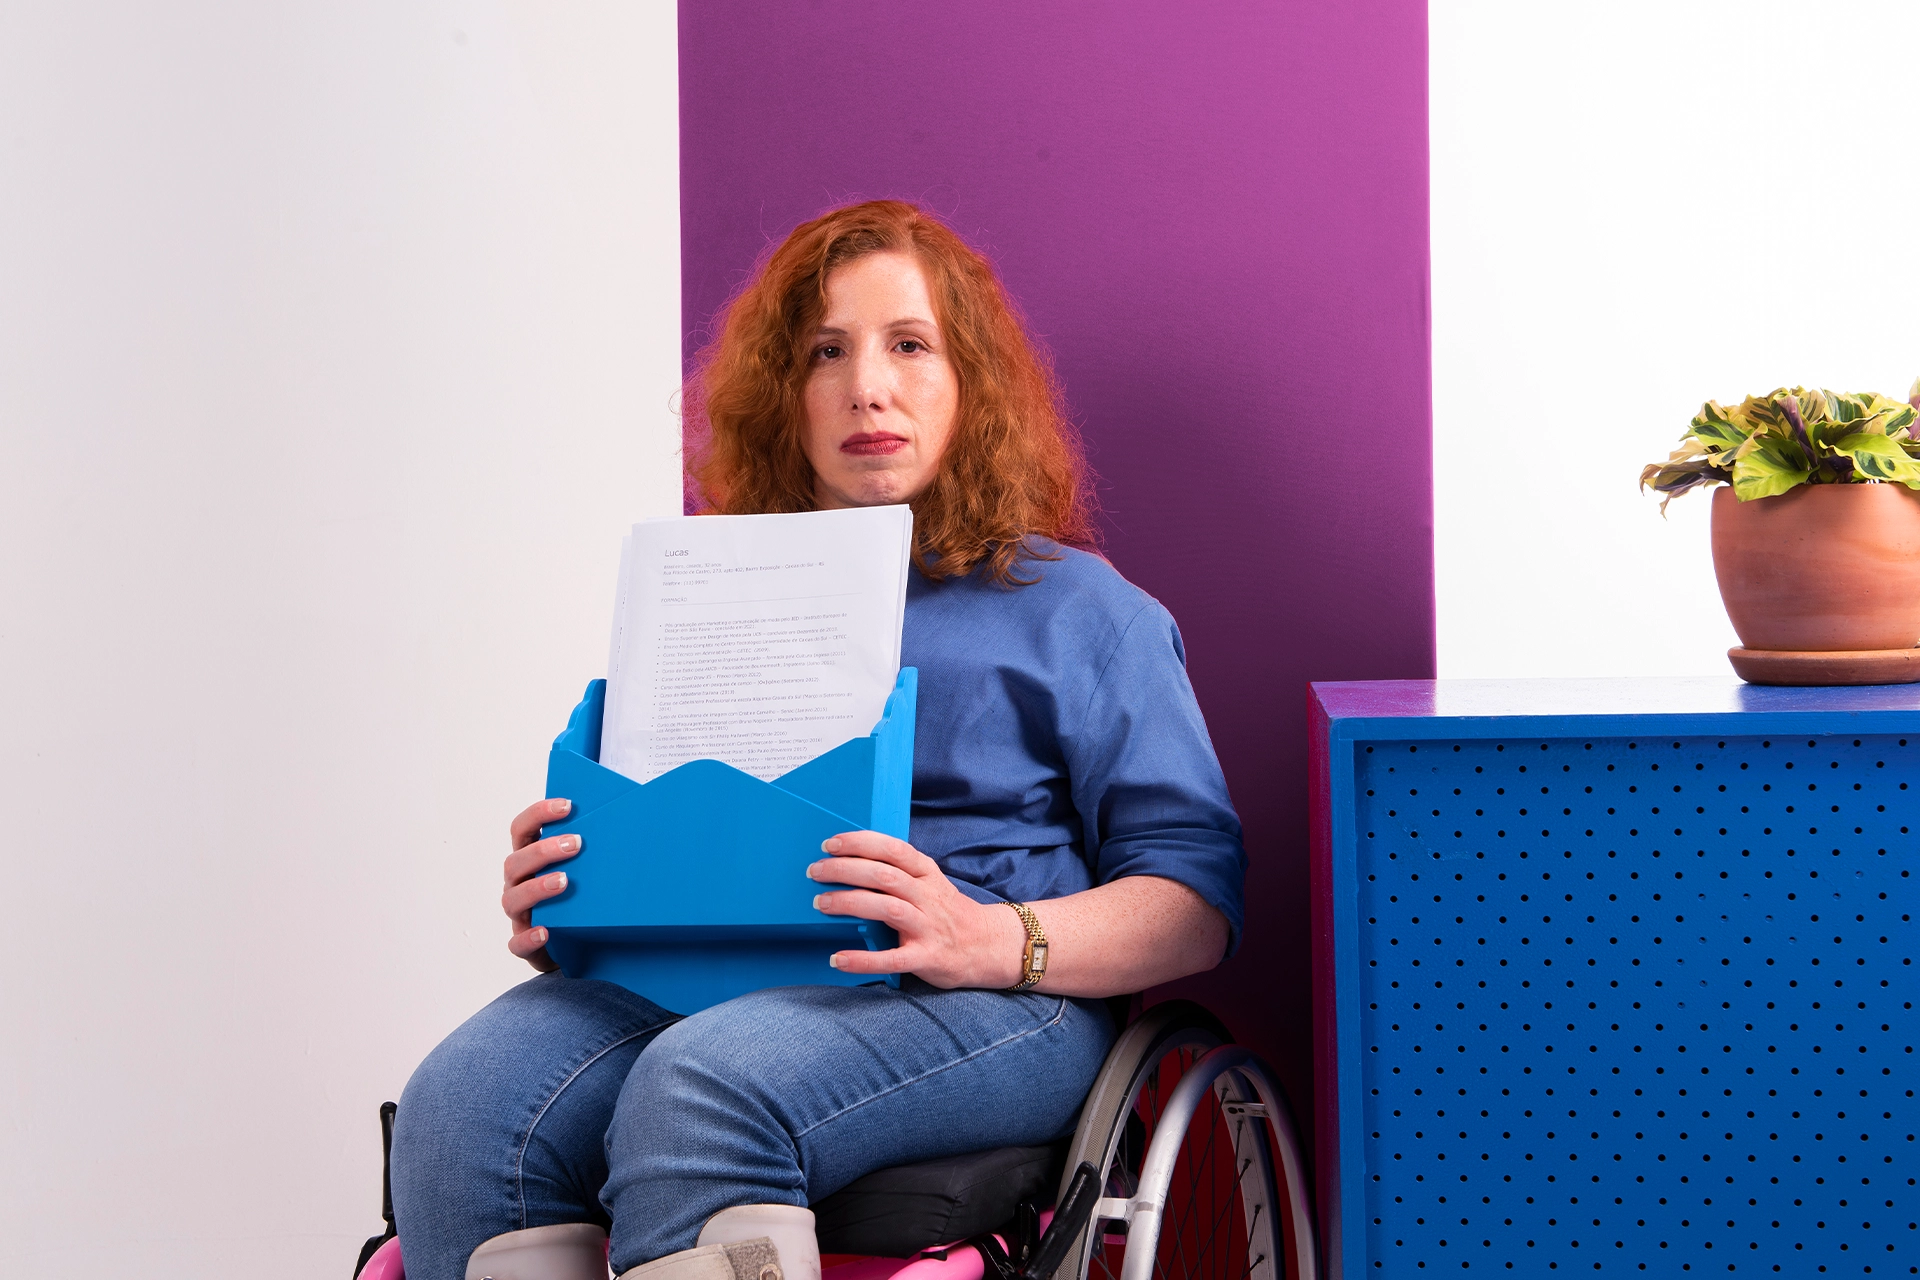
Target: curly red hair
[[1013, 466]]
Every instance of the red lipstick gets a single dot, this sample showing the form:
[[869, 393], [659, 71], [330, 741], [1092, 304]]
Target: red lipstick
[[873, 444]]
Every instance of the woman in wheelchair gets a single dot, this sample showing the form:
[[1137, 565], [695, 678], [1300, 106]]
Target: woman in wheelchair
[[1072, 838]]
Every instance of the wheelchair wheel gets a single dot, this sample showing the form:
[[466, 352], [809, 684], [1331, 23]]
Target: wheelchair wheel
[[1185, 1132]]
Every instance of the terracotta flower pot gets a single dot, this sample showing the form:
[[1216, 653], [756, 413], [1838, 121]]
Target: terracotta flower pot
[[1821, 567]]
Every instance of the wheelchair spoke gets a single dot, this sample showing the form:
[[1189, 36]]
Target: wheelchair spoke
[[1179, 1225], [1198, 1166], [1226, 1211], [1201, 1167], [1218, 1200], [1194, 1170]]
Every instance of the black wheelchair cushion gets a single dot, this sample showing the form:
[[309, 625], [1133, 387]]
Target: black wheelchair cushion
[[895, 1213]]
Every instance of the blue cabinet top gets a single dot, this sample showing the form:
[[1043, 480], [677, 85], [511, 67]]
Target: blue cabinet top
[[1421, 708]]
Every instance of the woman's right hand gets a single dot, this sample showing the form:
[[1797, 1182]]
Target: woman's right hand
[[528, 881]]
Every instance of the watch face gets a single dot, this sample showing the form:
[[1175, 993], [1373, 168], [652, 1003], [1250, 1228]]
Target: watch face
[[1039, 961]]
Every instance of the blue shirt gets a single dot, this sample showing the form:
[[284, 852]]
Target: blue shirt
[[1058, 744]]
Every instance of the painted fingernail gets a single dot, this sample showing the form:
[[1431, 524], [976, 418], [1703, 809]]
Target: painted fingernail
[[559, 806], [813, 871], [540, 936], [557, 881], [569, 843], [834, 960], [819, 898], [830, 844]]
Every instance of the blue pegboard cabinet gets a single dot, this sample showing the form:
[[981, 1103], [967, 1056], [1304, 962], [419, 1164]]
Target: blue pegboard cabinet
[[1616, 976]]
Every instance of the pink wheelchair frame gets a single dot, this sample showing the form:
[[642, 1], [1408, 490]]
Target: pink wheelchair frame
[[954, 1262]]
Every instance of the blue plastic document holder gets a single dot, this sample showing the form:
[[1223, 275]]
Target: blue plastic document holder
[[692, 889]]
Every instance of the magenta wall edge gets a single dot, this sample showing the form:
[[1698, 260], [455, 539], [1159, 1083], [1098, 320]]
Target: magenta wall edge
[[1216, 218]]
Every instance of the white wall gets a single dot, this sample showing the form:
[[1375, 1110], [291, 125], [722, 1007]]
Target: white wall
[[337, 342], [336, 346], [1639, 206]]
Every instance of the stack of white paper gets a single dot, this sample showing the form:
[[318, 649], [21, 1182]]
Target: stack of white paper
[[760, 641]]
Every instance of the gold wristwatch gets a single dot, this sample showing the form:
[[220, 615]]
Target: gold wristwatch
[[1033, 961]]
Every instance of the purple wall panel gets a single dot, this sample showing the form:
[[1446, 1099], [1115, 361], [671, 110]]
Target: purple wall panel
[[1216, 215]]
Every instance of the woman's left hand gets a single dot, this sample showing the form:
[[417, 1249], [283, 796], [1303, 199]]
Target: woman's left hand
[[946, 938]]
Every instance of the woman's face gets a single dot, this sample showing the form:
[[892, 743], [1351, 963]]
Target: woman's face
[[881, 395]]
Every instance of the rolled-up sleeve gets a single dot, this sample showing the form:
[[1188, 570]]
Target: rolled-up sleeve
[[1146, 782]]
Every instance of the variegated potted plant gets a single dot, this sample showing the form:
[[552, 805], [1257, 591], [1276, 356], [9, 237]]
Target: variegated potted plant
[[1816, 531]]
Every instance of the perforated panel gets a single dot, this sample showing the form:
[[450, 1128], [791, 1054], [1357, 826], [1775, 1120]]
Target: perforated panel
[[1635, 1005]]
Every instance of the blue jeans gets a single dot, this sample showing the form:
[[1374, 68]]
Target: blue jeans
[[577, 1101]]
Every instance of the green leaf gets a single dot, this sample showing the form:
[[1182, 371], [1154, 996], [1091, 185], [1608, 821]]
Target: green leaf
[[1712, 428], [1878, 458], [1679, 474], [1768, 444], [1774, 467], [1848, 408]]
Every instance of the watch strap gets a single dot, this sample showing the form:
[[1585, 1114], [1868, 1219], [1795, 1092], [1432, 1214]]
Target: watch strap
[[1033, 958]]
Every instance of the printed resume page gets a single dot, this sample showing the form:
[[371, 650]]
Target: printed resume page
[[758, 641]]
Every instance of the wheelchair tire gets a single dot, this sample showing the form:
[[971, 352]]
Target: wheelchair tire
[[1195, 1197]]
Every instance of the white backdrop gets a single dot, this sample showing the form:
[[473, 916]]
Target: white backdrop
[[337, 344], [1639, 206]]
